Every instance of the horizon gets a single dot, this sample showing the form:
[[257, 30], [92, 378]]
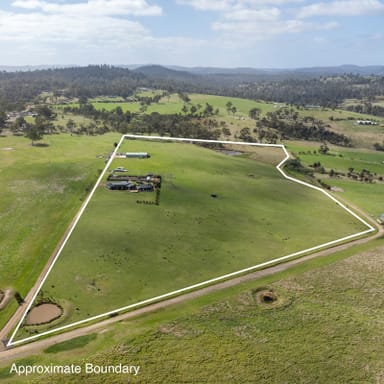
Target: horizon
[[177, 67]]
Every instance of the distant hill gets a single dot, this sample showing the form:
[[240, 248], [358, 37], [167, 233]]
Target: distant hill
[[180, 73], [28, 68], [315, 71], [164, 73]]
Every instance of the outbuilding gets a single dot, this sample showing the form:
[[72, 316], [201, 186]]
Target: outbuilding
[[121, 186], [137, 155]]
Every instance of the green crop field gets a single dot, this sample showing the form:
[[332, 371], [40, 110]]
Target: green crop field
[[123, 252]]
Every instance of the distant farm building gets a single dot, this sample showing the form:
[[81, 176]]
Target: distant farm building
[[137, 155], [380, 219], [366, 122]]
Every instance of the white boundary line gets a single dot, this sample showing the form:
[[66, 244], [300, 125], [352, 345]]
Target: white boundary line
[[207, 282]]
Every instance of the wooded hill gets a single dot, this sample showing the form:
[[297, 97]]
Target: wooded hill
[[19, 88]]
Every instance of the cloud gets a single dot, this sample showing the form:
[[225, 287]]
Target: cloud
[[208, 5], [91, 7], [106, 21], [341, 8], [38, 28], [266, 14]]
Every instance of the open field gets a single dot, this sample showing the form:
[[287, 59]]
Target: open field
[[123, 252], [343, 122], [326, 326], [41, 189], [366, 195], [173, 104]]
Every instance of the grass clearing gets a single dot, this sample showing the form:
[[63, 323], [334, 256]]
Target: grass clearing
[[123, 252]]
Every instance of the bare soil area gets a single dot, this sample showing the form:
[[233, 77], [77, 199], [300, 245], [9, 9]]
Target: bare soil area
[[43, 313]]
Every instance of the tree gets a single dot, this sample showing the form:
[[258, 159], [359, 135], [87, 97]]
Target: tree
[[229, 106], [33, 132], [226, 131], [184, 109], [3, 120], [19, 124], [245, 135], [323, 149], [254, 113], [71, 125], [45, 112]]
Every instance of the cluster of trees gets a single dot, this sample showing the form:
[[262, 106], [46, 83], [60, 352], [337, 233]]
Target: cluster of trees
[[366, 107], [199, 111], [201, 127], [287, 123], [327, 92]]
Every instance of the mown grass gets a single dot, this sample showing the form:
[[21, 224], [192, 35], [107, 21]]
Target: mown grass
[[41, 189], [122, 252]]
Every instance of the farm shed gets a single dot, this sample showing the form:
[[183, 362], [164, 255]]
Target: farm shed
[[137, 155], [145, 188], [121, 185]]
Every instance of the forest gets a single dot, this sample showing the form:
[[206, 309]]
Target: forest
[[20, 88]]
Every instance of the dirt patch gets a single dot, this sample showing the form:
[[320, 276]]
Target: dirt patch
[[43, 314], [268, 298], [337, 189], [7, 149]]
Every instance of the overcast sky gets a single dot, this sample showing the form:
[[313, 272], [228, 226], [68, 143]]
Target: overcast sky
[[224, 33]]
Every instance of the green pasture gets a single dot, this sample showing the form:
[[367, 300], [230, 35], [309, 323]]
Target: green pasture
[[326, 326], [41, 189], [173, 104], [365, 195], [123, 252], [343, 121]]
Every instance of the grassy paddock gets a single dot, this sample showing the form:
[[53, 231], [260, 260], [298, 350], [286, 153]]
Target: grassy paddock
[[123, 252], [330, 327], [365, 195], [41, 190]]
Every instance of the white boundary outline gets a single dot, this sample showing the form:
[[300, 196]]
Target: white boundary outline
[[207, 282]]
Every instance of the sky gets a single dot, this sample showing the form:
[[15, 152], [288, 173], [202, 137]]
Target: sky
[[211, 33]]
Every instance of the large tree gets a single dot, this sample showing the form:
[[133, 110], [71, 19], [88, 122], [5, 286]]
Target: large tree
[[34, 132]]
